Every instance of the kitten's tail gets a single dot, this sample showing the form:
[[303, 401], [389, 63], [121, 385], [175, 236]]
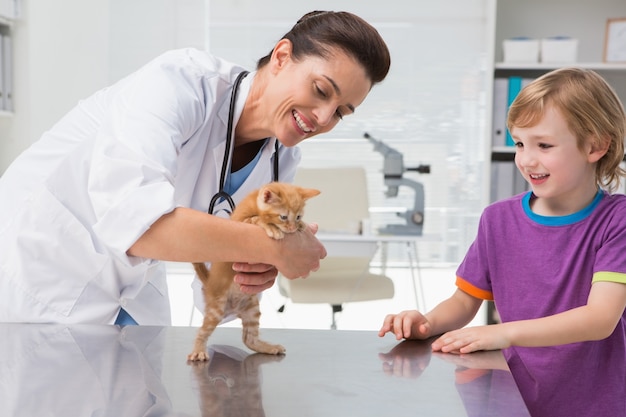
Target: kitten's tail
[[201, 271]]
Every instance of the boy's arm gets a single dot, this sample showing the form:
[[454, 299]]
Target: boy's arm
[[453, 313], [594, 321]]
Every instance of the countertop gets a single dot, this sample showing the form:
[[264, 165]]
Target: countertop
[[90, 370]]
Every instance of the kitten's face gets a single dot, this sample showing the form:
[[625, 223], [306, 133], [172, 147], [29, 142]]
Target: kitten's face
[[282, 205]]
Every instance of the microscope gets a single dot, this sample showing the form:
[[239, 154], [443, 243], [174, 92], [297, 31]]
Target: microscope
[[393, 169]]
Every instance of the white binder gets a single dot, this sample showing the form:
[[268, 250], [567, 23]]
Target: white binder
[[500, 106], [7, 73]]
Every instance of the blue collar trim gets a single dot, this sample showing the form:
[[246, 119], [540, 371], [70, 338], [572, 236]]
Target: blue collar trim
[[560, 220]]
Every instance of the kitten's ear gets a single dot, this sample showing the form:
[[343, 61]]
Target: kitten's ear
[[265, 197], [307, 193]]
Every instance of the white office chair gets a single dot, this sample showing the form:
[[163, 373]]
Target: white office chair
[[339, 209]]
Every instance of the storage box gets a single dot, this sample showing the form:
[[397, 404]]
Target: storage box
[[559, 50], [521, 50]]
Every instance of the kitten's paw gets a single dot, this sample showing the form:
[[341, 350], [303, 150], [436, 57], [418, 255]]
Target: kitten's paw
[[276, 234], [279, 350], [269, 349], [198, 356]]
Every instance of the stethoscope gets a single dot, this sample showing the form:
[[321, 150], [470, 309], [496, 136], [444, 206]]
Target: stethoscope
[[222, 194]]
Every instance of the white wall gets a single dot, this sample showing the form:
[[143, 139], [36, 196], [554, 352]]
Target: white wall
[[47, 38], [64, 50]]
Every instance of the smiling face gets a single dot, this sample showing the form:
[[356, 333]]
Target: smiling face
[[561, 174], [308, 97]]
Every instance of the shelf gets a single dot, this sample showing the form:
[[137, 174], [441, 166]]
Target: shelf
[[5, 21], [502, 153], [507, 153], [4, 113], [543, 66], [503, 149]]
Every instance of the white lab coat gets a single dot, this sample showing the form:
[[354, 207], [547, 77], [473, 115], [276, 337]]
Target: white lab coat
[[76, 200]]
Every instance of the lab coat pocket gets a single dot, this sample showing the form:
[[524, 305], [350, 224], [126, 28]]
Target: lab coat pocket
[[51, 256]]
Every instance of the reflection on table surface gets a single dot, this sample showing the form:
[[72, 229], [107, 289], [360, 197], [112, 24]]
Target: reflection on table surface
[[54, 370]]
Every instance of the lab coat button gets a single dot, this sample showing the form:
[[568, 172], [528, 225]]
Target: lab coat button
[[123, 302]]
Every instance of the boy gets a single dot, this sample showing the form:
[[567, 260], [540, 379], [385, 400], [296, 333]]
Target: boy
[[552, 259]]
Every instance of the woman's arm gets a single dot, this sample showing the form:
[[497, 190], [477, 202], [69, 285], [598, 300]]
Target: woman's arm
[[187, 235]]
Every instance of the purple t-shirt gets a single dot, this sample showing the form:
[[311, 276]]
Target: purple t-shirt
[[535, 266]]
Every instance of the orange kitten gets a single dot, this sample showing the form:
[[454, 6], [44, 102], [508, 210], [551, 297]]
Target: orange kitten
[[277, 208]]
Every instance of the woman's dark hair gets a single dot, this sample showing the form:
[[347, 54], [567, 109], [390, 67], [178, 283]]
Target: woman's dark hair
[[319, 31]]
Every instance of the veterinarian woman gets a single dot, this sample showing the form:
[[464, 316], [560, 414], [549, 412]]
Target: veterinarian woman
[[125, 179]]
